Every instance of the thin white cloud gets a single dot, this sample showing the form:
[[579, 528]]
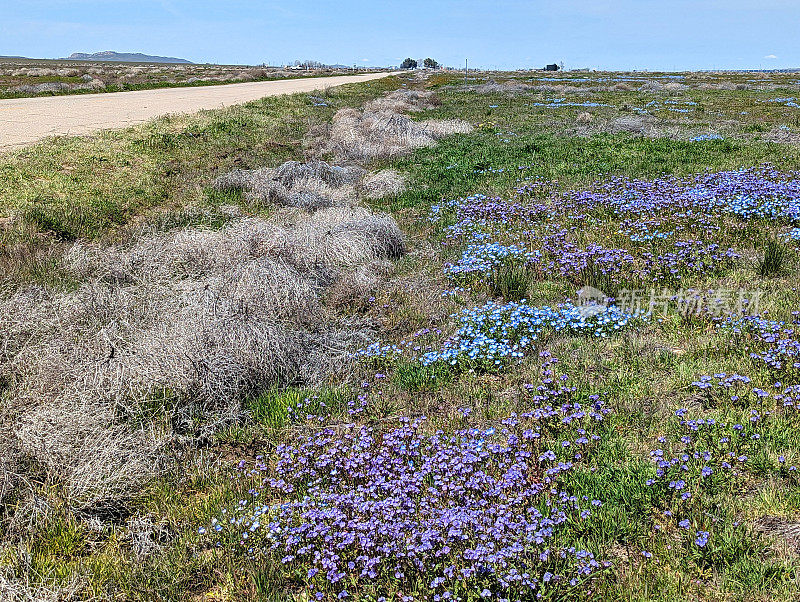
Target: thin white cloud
[[770, 56], [365, 60]]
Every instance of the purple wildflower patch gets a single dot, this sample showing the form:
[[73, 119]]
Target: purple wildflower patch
[[464, 513]]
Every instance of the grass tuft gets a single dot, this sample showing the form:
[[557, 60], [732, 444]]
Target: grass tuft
[[773, 260]]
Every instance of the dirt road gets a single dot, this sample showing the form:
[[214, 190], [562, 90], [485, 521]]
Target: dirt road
[[26, 120]]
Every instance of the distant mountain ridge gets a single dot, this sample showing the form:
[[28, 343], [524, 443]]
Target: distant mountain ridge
[[126, 57]]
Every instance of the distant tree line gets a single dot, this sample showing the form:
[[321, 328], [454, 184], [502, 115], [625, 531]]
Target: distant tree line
[[307, 64], [410, 63]]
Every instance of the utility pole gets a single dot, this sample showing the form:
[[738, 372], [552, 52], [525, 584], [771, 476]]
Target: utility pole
[[466, 69]]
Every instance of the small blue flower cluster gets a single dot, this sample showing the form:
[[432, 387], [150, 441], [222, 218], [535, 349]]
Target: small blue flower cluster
[[707, 138], [505, 136], [778, 343], [792, 235], [701, 458], [789, 102], [495, 335], [687, 257], [738, 389], [647, 235], [317, 101], [481, 259], [731, 386], [419, 342], [747, 207], [706, 453], [704, 457]]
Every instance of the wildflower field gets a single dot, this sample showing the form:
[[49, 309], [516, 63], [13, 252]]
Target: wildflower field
[[565, 364]]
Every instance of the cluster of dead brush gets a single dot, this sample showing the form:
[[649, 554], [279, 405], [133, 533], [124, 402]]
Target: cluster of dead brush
[[382, 130], [190, 323], [167, 335]]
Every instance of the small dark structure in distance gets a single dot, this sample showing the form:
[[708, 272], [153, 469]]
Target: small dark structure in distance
[[552, 67]]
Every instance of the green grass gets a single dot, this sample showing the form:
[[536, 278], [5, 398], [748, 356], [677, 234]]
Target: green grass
[[276, 408], [570, 161], [511, 283], [100, 188], [414, 377], [774, 258], [104, 186], [82, 187]]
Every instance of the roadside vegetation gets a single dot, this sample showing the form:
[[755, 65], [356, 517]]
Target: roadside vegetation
[[22, 78], [339, 346]]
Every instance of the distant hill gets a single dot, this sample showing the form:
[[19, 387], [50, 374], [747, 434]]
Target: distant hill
[[126, 57]]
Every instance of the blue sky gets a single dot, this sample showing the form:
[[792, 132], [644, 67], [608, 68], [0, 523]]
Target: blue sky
[[626, 34]]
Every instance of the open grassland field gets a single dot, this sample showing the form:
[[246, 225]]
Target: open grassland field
[[521, 337], [21, 78]]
